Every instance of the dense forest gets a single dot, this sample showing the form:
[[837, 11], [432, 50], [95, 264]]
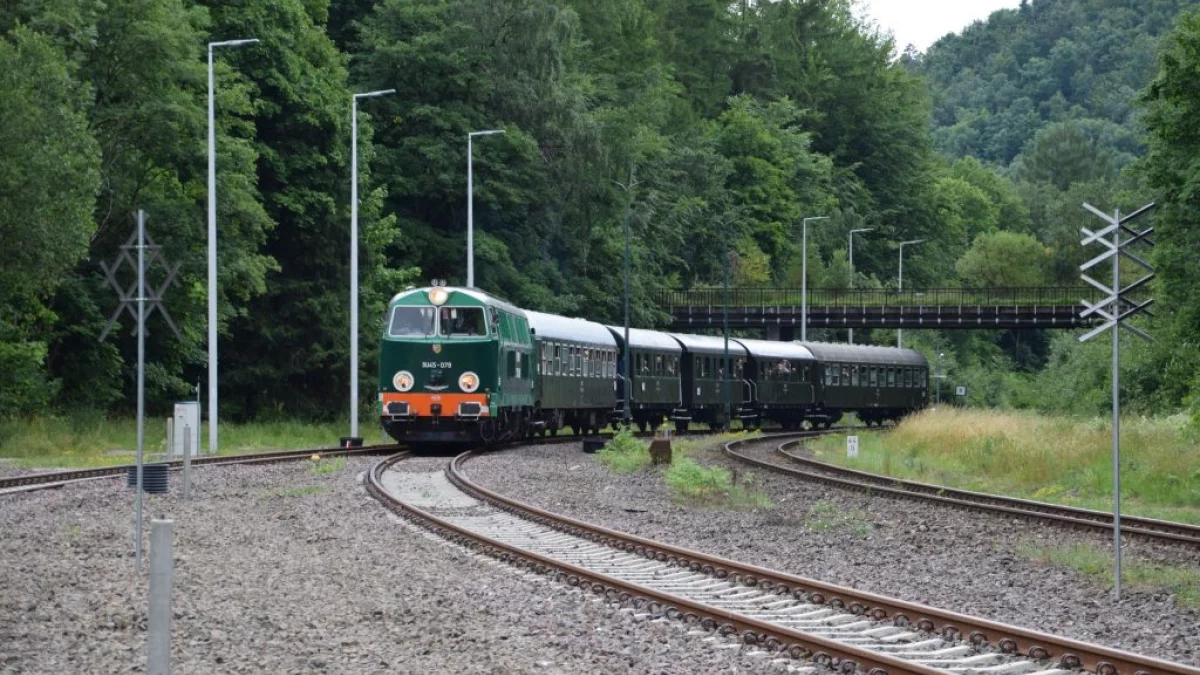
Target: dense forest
[[716, 126]]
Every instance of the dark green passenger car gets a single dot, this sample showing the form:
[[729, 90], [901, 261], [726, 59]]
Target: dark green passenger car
[[877, 383], [577, 368], [653, 384]]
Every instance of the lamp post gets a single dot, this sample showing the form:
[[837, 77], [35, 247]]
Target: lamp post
[[354, 438], [851, 249], [900, 285], [212, 247], [471, 205], [627, 388], [804, 276]]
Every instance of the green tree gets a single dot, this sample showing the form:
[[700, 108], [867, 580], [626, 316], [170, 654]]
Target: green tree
[[1003, 260], [49, 177]]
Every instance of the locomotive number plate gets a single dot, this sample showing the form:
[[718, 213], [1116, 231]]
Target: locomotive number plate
[[436, 364]]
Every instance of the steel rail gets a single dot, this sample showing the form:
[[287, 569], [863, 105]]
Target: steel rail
[[55, 479], [980, 632], [753, 631], [1150, 528]]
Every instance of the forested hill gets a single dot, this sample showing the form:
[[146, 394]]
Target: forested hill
[[1000, 81], [714, 126]]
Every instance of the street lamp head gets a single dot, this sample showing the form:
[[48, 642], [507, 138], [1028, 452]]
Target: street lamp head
[[862, 229], [806, 220], [911, 242], [233, 43], [487, 132], [372, 94]]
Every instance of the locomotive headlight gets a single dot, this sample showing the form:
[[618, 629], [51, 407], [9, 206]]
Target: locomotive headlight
[[439, 296], [468, 382], [403, 380]]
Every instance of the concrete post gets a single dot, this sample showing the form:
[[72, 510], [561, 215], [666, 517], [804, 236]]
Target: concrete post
[[158, 619], [187, 462]]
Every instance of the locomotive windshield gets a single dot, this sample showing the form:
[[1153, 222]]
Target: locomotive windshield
[[411, 322], [459, 321]]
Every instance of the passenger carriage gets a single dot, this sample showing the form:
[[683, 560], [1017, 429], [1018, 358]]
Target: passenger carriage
[[703, 381], [877, 383], [653, 385], [577, 373], [780, 381]]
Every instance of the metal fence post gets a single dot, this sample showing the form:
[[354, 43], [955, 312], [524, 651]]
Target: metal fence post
[[158, 618]]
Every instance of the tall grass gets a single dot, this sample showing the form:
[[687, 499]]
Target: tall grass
[[94, 440], [1060, 459]]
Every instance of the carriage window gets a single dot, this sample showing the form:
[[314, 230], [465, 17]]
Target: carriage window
[[908, 377], [462, 321], [854, 375], [673, 368], [578, 362], [845, 376], [873, 373], [828, 375], [924, 372], [411, 322], [891, 377]]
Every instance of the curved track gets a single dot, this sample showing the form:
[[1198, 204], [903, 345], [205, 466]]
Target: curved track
[[813, 470], [57, 479], [778, 612]]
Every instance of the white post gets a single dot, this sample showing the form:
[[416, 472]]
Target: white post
[[158, 616], [804, 276], [354, 255], [141, 381], [852, 233], [471, 205], [212, 248], [187, 462]]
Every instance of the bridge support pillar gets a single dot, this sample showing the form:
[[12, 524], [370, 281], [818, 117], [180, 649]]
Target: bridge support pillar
[[779, 333]]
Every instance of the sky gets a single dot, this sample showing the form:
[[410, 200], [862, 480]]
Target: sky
[[922, 22]]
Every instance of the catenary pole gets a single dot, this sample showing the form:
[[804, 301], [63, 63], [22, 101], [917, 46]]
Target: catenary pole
[[804, 276], [141, 385], [212, 246], [851, 249], [354, 401], [900, 283]]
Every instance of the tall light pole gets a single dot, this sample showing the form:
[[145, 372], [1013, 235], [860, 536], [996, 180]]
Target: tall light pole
[[940, 374], [851, 249], [354, 438], [900, 284], [804, 276], [471, 206], [212, 247]]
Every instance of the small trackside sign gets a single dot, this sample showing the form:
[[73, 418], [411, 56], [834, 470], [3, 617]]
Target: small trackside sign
[[852, 447]]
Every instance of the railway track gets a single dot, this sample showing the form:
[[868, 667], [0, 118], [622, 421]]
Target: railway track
[[780, 613], [814, 470], [57, 479]]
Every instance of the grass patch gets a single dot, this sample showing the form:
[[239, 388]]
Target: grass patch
[[825, 516], [1061, 460], [691, 482], [325, 466], [625, 454], [91, 440], [302, 491], [1182, 582]]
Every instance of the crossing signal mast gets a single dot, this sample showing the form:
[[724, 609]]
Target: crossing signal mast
[[1116, 308]]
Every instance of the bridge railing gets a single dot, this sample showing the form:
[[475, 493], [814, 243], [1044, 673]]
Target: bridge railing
[[879, 297]]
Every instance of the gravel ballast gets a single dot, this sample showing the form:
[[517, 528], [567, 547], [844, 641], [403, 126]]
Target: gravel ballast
[[281, 570], [944, 557]]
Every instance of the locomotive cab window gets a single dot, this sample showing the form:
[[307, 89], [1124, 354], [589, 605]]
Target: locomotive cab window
[[462, 321], [411, 322]]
